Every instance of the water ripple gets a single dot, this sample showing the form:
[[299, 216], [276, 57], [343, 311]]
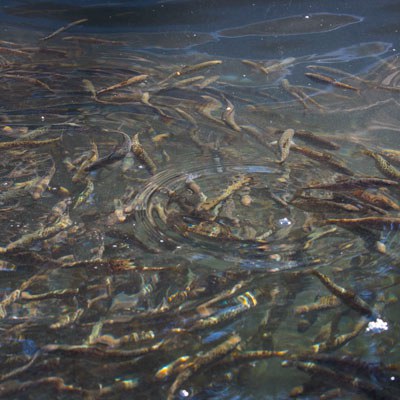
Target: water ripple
[[262, 235]]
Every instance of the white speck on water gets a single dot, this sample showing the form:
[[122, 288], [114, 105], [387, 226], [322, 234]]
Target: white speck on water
[[184, 393], [377, 326], [284, 222]]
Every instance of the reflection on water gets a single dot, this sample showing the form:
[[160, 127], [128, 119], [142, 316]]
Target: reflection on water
[[181, 221], [297, 25]]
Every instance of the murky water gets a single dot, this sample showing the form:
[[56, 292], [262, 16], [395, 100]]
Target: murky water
[[199, 199]]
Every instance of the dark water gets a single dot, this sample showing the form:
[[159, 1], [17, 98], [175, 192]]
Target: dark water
[[167, 242]]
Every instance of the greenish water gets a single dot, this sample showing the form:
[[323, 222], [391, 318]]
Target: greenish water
[[199, 200]]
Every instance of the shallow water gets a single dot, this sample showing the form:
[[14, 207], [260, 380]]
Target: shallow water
[[194, 260]]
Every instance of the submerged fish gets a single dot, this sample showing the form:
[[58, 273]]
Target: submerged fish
[[383, 165], [366, 222], [64, 28], [42, 183], [117, 154], [228, 116], [348, 297], [354, 183], [317, 140], [325, 158], [40, 234], [127, 82], [284, 144], [27, 143], [202, 360], [314, 204], [329, 80], [142, 155]]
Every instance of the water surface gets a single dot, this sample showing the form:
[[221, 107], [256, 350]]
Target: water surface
[[199, 199]]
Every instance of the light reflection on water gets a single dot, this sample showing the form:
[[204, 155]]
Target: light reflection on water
[[204, 194]]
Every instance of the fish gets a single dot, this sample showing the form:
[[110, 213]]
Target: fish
[[142, 155], [160, 137], [88, 159], [34, 133], [366, 222], [28, 144], [15, 52], [201, 361], [329, 375], [228, 116], [225, 294], [9, 390], [247, 301], [88, 85], [168, 370], [40, 234], [392, 155], [188, 69], [350, 298], [133, 337], [210, 105], [37, 188], [54, 294], [85, 194], [209, 204], [284, 143], [207, 81], [383, 165], [237, 357], [145, 99], [121, 387], [63, 28], [7, 301], [378, 199], [299, 94], [92, 40], [127, 82], [99, 353], [325, 158], [186, 82], [317, 140], [340, 72], [28, 79], [58, 210], [7, 266], [116, 265], [186, 116], [323, 303], [119, 153], [67, 319], [267, 69], [345, 184], [315, 204], [331, 81]]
